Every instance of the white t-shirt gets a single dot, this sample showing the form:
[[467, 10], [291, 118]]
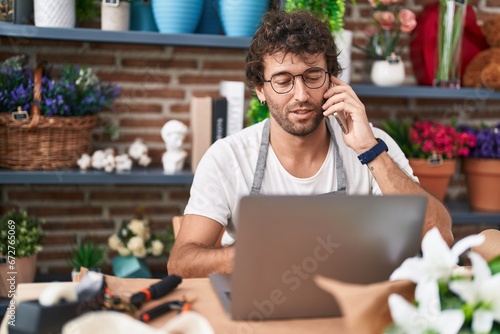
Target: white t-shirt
[[226, 173]]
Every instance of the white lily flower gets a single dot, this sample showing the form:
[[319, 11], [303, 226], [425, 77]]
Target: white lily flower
[[428, 315], [437, 261], [484, 289]]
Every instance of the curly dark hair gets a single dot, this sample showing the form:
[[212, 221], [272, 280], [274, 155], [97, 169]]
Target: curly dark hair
[[298, 33]]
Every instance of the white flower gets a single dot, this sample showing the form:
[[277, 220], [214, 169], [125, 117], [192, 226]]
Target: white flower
[[140, 252], [124, 251], [138, 227], [437, 261], [137, 149], [157, 247], [484, 289], [427, 316], [84, 162], [114, 242], [144, 160], [123, 163], [135, 243]]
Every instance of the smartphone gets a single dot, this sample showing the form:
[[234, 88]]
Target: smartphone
[[342, 122]]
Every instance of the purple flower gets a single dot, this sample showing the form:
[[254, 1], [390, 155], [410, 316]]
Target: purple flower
[[487, 141]]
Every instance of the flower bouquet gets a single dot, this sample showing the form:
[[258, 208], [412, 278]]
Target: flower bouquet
[[448, 298], [41, 108], [133, 242]]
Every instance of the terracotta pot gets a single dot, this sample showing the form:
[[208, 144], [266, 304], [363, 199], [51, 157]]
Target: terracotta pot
[[24, 271], [434, 178], [483, 183]]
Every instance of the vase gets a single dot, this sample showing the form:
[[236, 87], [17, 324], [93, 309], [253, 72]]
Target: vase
[[55, 13], [130, 267], [449, 49], [388, 72], [115, 18], [241, 18], [210, 21], [343, 41], [24, 271], [141, 16], [177, 17], [483, 183], [434, 177]]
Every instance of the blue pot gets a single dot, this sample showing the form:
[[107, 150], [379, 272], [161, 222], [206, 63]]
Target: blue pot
[[241, 18], [177, 16], [210, 21], [130, 267], [141, 16]]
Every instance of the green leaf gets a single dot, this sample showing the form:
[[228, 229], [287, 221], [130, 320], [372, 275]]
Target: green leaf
[[494, 265]]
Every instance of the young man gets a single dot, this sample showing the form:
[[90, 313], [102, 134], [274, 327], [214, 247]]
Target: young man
[[301, 149]]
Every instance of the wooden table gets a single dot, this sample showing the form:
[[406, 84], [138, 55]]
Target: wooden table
[[207, 304]]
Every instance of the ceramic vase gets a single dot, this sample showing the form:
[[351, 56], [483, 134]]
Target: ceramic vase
[[241, 18], [116, 18], [130, 267], [25, 271], [343, 41], [141, 16], [434, 178], [55, 13], [389, 72], [177, 17], [483, 183], [210, 21]]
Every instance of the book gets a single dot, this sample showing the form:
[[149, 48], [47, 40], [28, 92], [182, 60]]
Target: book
[[234, 92], [208, 117]]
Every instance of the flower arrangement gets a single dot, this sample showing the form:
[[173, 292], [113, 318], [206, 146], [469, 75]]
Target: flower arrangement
[[487, 145], [448, 298], [134, 238], [331, 11], [76, 91], [389, 20], [424, 139], [27, 232]]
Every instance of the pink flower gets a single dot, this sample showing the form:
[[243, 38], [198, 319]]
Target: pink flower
[[408, 20], [385, 19], [373, 3]]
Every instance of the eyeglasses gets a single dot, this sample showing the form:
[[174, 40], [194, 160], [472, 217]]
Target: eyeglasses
[[313, 78]]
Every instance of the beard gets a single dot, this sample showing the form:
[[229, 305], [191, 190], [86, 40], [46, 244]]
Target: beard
[[297, 128]]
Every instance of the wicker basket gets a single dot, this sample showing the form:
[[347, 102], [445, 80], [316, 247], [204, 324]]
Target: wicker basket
[[43, 142]]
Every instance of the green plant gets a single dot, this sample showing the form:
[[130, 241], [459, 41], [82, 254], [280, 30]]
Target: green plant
[[256, 111], [331, 11], [88, 255], [87, 10], [20, 234]]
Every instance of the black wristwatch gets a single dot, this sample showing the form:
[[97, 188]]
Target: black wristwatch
[[374, 152]]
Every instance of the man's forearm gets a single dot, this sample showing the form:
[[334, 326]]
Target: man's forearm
[[393, 180], [190, 260]]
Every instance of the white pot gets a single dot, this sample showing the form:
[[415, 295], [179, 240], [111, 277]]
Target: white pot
[[388, 73], [115, 17], [343, 41], [54, 13]]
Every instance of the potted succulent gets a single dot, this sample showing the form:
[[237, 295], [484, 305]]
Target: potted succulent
[[21, 239], [432, 149], [482, 168], [87, 255]]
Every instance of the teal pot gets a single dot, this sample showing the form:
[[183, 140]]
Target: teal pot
[[141, 16], [130, 267], [241, 18], [210, 21], [177, 16]]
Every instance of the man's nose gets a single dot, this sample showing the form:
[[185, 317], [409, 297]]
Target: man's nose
[[300, 91]]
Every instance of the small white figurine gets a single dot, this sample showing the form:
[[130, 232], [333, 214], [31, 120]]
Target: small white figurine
[[137, 149], [173, 133], [84, 162], [123, 163]]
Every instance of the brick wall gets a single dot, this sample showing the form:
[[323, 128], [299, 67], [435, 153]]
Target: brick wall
[[158, 83]]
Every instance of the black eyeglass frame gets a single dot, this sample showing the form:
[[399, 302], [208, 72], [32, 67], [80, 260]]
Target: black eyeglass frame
[[298, 75]]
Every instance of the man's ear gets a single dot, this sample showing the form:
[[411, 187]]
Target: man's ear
[[260, 93]]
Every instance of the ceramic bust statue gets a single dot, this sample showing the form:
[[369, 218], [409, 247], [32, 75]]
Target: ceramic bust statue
[[173, 133]]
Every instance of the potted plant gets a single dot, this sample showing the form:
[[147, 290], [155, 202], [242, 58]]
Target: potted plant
[[482, 168], [21, 239], [63, 111], [133, 242], [87, 255], [432, 149], [86, 10]]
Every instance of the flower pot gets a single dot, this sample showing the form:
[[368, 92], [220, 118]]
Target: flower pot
[[141, 16], [116, 18], [434, 178], [177, 17], [343, 40], [130, 267], [389, 72], [55, 13], [483, 183], [241, 18], [24, 271], [210, 21]]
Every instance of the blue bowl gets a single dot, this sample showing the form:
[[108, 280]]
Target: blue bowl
[[177, 16]]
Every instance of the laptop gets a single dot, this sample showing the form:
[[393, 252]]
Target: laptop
[[284, 241]]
